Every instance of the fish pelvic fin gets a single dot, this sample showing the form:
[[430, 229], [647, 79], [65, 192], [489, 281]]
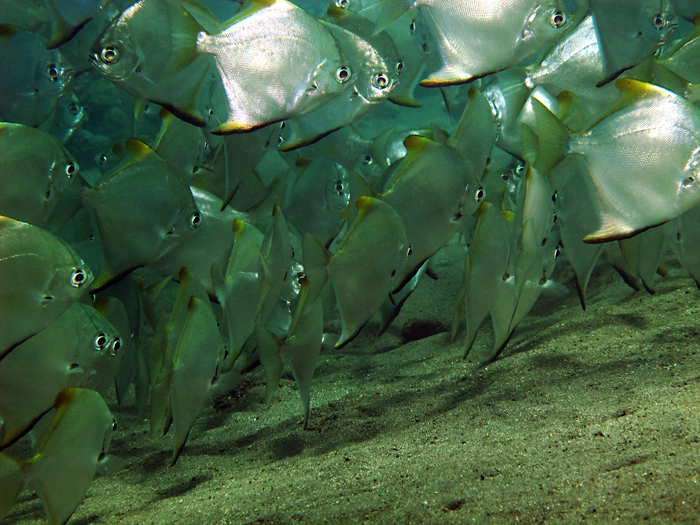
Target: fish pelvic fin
[[552, 135]]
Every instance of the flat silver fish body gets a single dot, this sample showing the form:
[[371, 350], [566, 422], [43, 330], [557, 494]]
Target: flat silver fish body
[[276, 62], [478, 37]]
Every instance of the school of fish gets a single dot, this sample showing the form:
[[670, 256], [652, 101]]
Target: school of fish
[[185, 183]]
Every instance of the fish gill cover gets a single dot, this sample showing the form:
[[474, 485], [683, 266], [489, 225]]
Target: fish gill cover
[[194, 193]]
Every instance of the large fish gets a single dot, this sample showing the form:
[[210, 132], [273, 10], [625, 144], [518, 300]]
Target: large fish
[[41, 277], [643, 160], [478, 37]]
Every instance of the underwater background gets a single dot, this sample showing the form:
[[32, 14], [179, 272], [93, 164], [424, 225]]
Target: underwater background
[[236, 291]]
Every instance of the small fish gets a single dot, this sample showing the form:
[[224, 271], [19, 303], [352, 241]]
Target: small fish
[[643, 160], [78, 349], [365, 268], [36, 171], [32, 79], [71, 451], [478, 37], [41, 277], [67, 117], [318, 198]]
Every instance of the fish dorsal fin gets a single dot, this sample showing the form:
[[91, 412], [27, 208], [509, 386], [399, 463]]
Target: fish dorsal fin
[[439, 134], [415, 144], [552, 136], [634, 90]]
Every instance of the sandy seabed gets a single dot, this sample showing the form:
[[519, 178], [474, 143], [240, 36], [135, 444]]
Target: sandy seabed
[[586, 416]]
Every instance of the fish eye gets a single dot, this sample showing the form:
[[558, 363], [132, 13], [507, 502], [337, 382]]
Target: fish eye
[[78, 278], [100, 341], [412, 28], [367, 160], [554, 197], [504, 176], [399, 66], [409, 252], [282, 125], [659, 21], [109, 55], [343, 74], [116, 345], [279, 140], [114, 425], [381, 81], [558, 19], [343, 4], [480, 194], [554, 218], [48, 194], [520, 169], [73, 109], [102, 159], [52, 72], [339, 187], [195, 220], [70, 169]]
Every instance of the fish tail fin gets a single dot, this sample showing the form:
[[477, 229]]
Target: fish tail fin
[[11, 483], [270, 348], [316, 261], [552, 137], [184, 30], [391, 11]]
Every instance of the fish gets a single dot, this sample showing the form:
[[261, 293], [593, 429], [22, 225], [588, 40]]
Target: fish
[[319, 196], [434, 191], [275, 62], [374, 65], [42, 277], [626, 41], [66, 118], [195, 363], [78, 349], [484, 267], [364, 269], [32, 78], [214, 236], [300, 350], [143, 210], [141, 52], [36, 171], [477, 37], [653, 139], [68, 17], [71, 451]]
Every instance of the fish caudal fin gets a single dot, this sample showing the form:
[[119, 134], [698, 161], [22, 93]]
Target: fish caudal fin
[[552, 135]]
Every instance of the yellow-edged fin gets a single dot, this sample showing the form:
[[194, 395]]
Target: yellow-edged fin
[[337, 13], [250, 8], [202, 15], [633, 90], [167, 118], [405, 100], [572, 111]]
